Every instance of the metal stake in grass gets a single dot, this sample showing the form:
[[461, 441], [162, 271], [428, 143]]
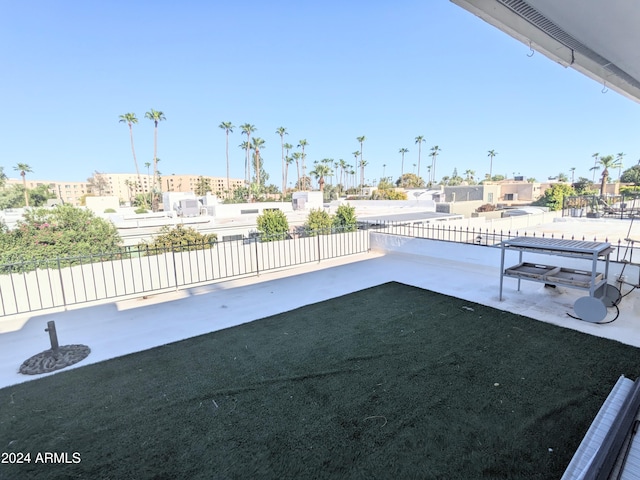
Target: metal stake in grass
[[53, 335]]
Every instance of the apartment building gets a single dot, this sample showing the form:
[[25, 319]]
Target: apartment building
[[66, 192]]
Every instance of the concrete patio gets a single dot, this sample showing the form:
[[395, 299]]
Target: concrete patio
[[465, 271]]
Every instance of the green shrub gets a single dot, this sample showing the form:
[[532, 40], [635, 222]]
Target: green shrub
[[140, 210], [62, 231], [180, 239], [554, 196], [109, 210], [344, 219], [318, 222], [272, 225], [388, 194]]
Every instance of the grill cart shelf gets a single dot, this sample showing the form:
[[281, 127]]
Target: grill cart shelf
[[592, 280]]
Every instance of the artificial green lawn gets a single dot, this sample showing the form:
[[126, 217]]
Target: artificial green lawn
[[389, 382]]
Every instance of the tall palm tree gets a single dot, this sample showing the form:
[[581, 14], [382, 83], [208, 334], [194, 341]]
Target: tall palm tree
[[288, 161], [303, 143], [402, 151], [247, 129], [469, 175], [297, 156], [491, 154], [573, 171], [130, 119], [256, 144], [156, 117], [228, 128], [619, 159], [362, 164], [343, 166], [419, 140], [320, 171], [361, 139], [282, 132], [435, 150], [606, 162], [23, 168], [148, 165], [596, 157]]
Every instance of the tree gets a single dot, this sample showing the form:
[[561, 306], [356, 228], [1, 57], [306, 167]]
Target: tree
[[282, 132], [64, 230], [179, 239], [203, 185], [619, 159], [228, 128], [156, 117], [435, 150], [562, 177], [419, 140], [288, 161], [631, 175], [297, 156], [573, 171], [318, 222], [130, 119], [402, 151], [272, 225], [3, 177], [303, 143], [468, 175], [606, 162], [595, 167], [247, 129], [256, 144], [14, 197], [98, 183], [362, 164], [320, 171], [345, 219], [410, 180], [24, 168], [554, 196], [491, 154]]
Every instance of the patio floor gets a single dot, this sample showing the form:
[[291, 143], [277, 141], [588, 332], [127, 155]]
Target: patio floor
[[123, 327]]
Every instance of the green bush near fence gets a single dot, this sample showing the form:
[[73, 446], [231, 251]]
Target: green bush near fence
[[62, 231], [345, 219], [318, 222], [272, 225], [179, 239]]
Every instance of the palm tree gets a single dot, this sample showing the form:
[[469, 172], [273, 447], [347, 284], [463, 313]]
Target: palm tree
[[303, 143], [607, 162], [361, 139], [619, 159], [435, 150], [297, 156], [148, 165], [595, 167], [130, 119], [23, 168], [228, 128], [156, 117], [256, 144], [402, 151], [343, 167], [573, 171], [469, 175], [288, 161], [282, 132], [247, 129], [491, 154], [419, 140], [320, 171], [362, 164]]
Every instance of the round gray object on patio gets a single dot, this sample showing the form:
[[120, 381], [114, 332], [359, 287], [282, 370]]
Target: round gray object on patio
[[590, 309], [50, 360]]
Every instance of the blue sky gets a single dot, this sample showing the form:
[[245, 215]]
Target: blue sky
[[328, 71]]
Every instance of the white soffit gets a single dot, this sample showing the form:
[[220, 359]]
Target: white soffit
[[600, 38]]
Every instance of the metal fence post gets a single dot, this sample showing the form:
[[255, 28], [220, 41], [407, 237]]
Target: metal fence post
[[318, 235], [175, 267], [255, 242], [64, 297]]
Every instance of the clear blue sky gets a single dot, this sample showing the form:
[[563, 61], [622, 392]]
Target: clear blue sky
[[327, 71]]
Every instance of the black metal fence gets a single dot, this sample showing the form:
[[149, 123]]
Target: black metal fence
[[624, 250], [27, 286]]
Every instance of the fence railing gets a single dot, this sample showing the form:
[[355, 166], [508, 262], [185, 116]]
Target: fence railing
[[34, 285], [623, 250]]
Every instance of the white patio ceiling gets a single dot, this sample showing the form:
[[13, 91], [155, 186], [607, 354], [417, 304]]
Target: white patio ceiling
[[599, 38]]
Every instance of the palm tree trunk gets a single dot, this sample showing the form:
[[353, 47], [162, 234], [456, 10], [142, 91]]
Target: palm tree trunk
[[135, 162], [227, 151], [154, 198], [24, 185]]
